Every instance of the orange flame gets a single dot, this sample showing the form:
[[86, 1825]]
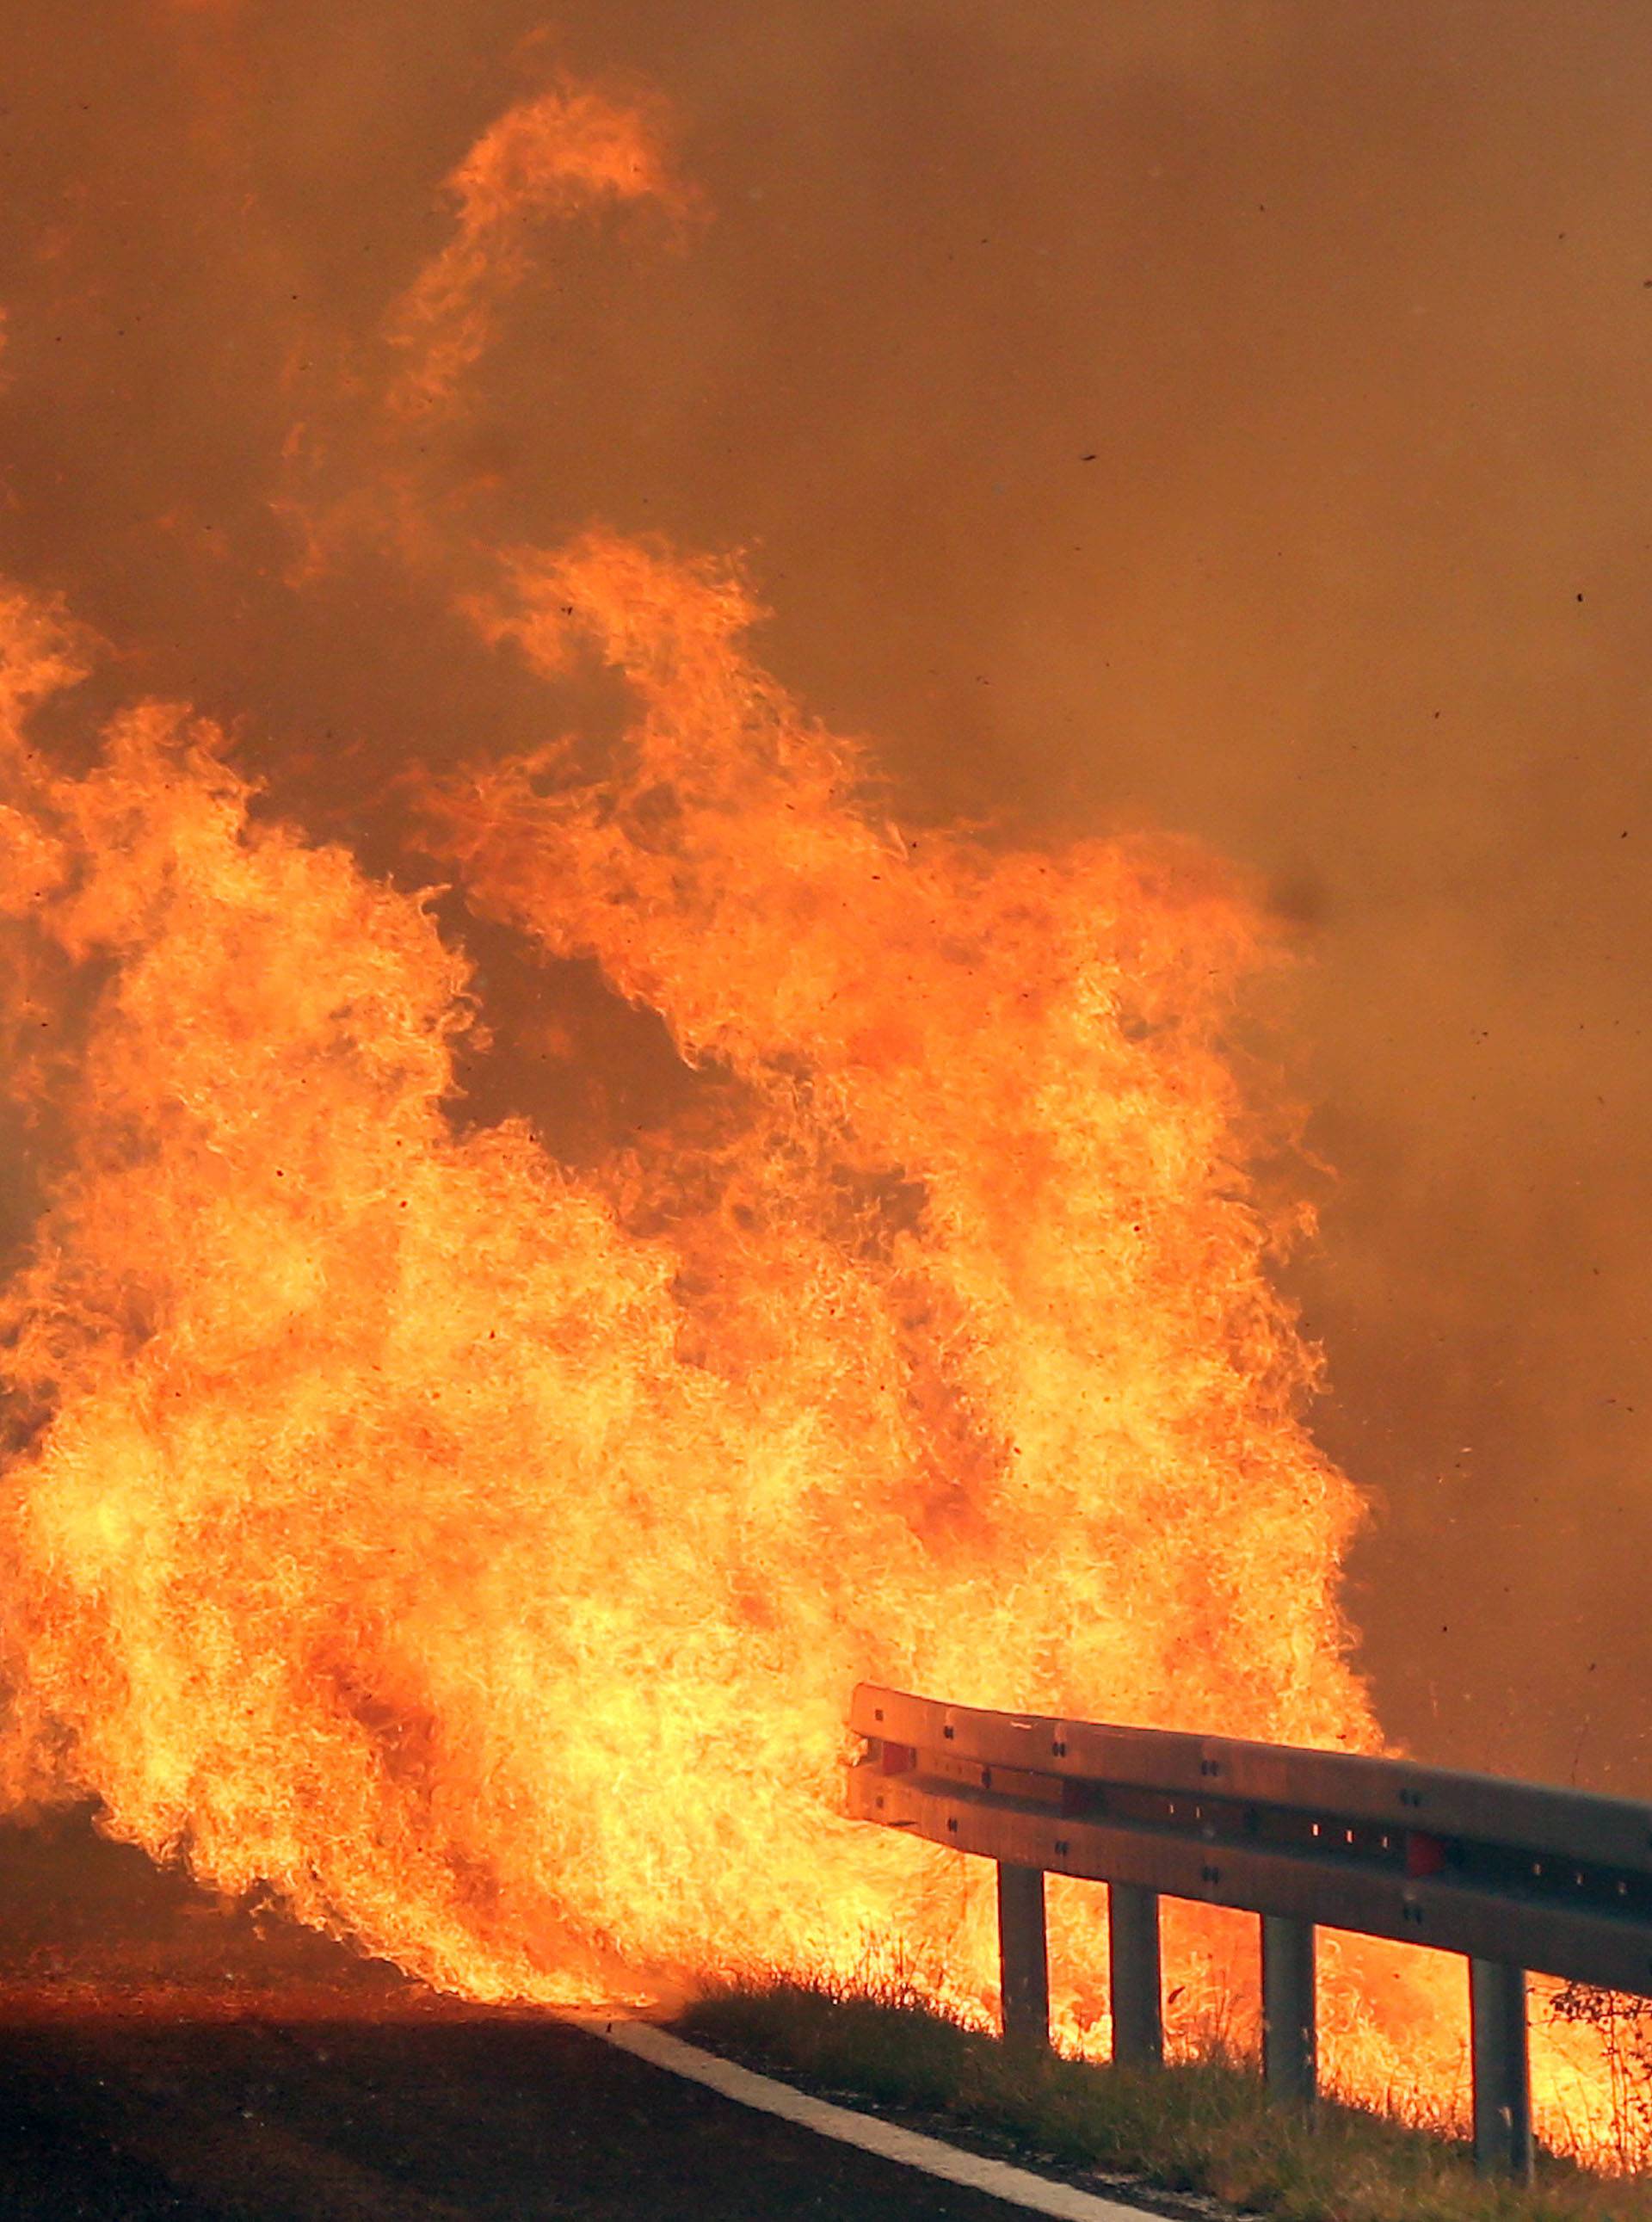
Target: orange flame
[[482, 1557], [481, 1553], [549, 156]]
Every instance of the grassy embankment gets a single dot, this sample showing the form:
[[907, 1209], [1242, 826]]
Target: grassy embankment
[[1207, 2126]]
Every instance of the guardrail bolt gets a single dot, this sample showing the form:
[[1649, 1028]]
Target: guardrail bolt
[[1290, 2018], [1497, 2018]]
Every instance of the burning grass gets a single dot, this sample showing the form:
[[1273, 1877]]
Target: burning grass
[[1204, 2125]]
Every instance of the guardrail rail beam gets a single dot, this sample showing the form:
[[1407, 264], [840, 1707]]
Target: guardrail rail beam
[[1511, 1875]]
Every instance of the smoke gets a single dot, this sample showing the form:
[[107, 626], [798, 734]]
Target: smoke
[[1226, 418]]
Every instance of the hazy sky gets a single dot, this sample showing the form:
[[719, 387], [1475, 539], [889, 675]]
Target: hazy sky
[[1232, 416]]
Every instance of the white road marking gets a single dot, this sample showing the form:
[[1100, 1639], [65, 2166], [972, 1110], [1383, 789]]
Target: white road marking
[[1016, 2186]]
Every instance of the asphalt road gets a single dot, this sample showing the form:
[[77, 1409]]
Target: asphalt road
[[459, 2119]]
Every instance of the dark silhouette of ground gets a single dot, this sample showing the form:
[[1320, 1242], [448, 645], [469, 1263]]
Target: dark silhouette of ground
[[168, 2055], [423, 2116]]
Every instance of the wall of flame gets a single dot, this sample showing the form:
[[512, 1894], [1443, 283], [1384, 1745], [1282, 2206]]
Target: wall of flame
[[549, 1250]]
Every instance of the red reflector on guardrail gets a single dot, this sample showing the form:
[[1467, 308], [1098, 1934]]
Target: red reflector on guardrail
[[1424, 1855]]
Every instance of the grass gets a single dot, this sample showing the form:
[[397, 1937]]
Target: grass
[[1208, 2125]]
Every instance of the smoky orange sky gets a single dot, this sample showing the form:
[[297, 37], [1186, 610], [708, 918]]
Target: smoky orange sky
[[1229, 417]]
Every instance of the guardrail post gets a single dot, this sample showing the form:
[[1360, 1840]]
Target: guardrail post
[[1496, 2020], [1023, 1964], [1136, 1984], [1290, 2021]]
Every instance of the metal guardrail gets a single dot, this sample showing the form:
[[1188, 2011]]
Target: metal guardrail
[[1512, 1875]]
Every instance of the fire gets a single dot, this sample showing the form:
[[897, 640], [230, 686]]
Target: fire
[[977, 1192], [478, 1550], [570, 147], [481, 1555]]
